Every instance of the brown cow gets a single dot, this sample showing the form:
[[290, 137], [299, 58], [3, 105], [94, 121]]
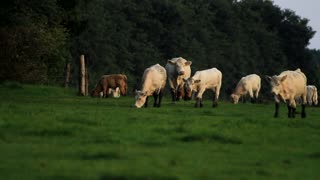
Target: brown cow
[[110, 81]]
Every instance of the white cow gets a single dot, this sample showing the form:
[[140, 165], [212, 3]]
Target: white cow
[[153, 83], [248, 84], [177, 69], [312, 95], [210, 79], [288, 86]]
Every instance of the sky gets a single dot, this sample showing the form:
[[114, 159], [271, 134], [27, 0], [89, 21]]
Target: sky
[[308, 9]]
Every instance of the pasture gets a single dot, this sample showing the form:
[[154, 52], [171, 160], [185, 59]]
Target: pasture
[[50, 133]]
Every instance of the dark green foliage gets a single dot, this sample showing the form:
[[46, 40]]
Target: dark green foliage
[[127, 36]]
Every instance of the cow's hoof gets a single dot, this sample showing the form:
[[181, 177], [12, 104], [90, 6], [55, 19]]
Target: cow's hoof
[[303, 115]]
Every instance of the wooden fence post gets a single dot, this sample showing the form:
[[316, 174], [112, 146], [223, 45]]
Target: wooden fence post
[[82, 91], [67, 75], [87, 83]]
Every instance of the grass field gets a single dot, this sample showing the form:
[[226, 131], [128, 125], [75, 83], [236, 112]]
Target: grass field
[[50, 133]]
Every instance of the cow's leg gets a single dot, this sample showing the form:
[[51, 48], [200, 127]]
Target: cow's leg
[[197, 102], [104, 91], [293, 105], [173, 94], [201, 105], [276, 113], [215, 100], [251, 96], [160, 98], [146, 103], [293, 111], [199, 98], [178, 93], [155, 97], [290, 109]]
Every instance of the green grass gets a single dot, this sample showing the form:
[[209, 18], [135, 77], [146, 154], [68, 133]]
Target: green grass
[[50, 133]]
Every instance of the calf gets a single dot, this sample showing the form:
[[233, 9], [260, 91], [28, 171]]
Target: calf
[[202, 80], [248, 84]]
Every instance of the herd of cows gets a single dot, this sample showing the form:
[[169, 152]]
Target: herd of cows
[[289, 86]]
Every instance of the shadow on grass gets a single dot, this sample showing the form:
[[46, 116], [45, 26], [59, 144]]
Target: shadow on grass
[[49, 133], [315, 155], [211, 138], [81, 121], [128, 177], [101, 156]]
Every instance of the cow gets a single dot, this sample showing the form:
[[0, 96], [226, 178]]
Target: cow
[[288, 86], [210, 79], [110, 81], [249, 84], [153, 83], [312, 95], [177, 69]]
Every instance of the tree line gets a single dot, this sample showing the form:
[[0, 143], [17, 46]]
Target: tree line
[[37, 38]]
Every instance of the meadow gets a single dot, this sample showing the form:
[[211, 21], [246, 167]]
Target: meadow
[[51, 133]]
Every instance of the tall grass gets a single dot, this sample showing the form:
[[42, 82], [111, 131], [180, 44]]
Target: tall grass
[[50, 133]]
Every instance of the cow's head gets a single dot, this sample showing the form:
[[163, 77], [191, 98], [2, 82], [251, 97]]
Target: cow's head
[[180, 65], [140, 99], [190, 85], [96, 92], [181, 93], [276, 84], [235, 98]]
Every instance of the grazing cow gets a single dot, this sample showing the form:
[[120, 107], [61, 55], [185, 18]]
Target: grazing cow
[[110, 81], [288, 86], [248, 84], [153, 83], [177, 69], [203, 80], [312, 95]]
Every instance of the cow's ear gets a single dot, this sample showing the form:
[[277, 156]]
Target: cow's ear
[[184, 79], [188, 63], [268, 78], [171, 61], [283, 78], [197, 81]]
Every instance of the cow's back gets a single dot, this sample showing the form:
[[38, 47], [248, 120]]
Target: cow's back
[[296, 82], [252, 81], [154, 78], [210, 76]]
